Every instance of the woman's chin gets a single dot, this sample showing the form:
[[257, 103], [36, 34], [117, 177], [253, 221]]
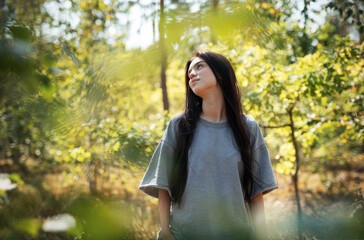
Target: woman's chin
[[196, 90]]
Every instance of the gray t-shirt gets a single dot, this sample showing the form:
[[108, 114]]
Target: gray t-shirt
[[212, 205]]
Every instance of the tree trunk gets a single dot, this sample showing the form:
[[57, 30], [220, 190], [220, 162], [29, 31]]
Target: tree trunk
[[92, 169], [92, 173], [295, 176], [214, 9], [163, 57], [305, 13]]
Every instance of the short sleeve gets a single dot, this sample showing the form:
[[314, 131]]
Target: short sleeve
[[160, 166], [262, 167]]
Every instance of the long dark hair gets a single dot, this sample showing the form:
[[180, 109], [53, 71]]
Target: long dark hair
[[225, 76]]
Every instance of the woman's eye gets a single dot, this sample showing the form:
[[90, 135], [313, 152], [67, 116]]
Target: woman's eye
[[198, 67]]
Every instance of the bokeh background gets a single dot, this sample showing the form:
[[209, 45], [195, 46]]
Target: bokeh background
[[87, 88]]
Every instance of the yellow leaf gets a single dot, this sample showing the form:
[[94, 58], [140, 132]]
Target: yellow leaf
[[80, 158], [101, 5], [116, 146], [73, 154]]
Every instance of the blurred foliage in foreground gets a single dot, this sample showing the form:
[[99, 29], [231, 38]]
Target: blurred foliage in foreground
[[80, 116], [43, 215]]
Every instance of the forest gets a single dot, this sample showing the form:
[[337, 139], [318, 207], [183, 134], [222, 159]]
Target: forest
[[88, 87]]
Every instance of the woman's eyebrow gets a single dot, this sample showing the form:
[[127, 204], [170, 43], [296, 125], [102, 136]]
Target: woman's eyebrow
[[194, 66]]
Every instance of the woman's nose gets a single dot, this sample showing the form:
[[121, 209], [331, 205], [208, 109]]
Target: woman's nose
[[192, 73]]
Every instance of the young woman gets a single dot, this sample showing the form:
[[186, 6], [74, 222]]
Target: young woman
[[212, 165]]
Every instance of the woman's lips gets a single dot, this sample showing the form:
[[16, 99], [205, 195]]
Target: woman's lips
[[194, 80]]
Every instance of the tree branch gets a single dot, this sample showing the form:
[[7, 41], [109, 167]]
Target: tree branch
[[279, 126]]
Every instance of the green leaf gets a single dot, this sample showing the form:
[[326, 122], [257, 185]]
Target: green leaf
[[30, 226]]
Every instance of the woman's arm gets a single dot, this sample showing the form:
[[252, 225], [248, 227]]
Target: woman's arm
[[164, 202], [256, 206]]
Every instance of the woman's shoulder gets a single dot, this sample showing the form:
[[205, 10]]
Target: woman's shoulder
[[250, 121], [176, 117], [171, 131]]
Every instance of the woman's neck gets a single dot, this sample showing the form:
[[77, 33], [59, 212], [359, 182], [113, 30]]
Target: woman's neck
[[213, 108]]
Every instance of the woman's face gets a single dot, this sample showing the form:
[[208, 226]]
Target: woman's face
[[201, 77]]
